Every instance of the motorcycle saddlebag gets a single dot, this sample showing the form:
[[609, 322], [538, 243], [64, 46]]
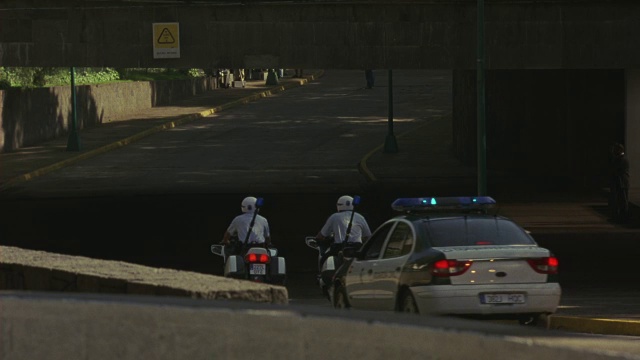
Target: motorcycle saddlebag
[[278, 266], [278, 270], [234, 267]]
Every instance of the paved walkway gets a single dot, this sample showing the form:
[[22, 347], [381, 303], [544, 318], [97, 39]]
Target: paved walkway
[[541, 213]]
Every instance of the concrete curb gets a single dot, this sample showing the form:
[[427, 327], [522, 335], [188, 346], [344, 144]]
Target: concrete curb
[[364, 168], [169, 125], [595, 326]]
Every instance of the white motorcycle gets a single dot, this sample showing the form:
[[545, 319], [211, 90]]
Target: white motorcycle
[[332, 255], [257, 263], [327, 268], [252, 261]]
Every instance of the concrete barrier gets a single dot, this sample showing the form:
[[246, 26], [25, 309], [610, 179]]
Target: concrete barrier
[[45, 326], [31, 270]]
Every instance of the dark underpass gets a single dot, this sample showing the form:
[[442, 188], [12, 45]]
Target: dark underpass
[[176, 231]]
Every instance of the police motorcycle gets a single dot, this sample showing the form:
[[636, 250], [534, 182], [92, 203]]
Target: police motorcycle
[[252, 261], [332, 253]]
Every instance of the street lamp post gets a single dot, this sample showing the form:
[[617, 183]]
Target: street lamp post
[[390, 144], [73, 143], [481, 121]]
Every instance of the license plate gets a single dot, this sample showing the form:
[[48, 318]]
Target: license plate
[[502, 298], [257, 269]]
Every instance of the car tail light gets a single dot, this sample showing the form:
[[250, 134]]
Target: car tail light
[[257, 258], [546, 265], [446, 268]]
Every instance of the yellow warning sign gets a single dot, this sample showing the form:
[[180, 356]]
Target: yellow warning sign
[[166, 40], [166, 37]]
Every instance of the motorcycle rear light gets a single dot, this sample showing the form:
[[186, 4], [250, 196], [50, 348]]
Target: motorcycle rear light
[[445, 268], [546, 265], [257, 258]]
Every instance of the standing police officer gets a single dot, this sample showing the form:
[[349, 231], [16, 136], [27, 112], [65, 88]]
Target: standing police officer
[[619, 184]]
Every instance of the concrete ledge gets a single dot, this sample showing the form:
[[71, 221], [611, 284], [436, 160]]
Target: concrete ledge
[[31, 270], [37, 326]]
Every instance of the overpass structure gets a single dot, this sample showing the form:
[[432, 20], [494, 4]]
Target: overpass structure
[[423, 34], [562, 75]]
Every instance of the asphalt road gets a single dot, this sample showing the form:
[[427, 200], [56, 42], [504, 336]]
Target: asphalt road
[[163, 200]]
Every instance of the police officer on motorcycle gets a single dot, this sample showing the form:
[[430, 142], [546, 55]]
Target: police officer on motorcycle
[[247, 228], [344, 227]]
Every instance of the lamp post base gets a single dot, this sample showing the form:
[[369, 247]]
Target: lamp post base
[[73, 143], [390, 144], [272, 78]]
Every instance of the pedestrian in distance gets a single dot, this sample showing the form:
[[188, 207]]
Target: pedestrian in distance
[[370, 78], [247, 228], [619, 184], [346, 226]]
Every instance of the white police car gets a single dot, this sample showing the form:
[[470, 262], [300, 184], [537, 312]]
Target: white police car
[[450, 256]]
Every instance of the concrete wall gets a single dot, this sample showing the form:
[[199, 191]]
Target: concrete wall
[[330, 35], [29, 117], [632, 135]]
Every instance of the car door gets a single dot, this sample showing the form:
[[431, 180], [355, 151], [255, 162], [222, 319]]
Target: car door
[[387, 269], [360, 274]]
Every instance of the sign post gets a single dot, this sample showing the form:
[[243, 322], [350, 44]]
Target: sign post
[[73, 142]]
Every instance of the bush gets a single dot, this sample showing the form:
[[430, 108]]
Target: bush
[[4, 84], [29, 77]]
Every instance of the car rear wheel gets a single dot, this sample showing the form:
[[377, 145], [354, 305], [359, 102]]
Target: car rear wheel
[[408, 303], [340, 298]]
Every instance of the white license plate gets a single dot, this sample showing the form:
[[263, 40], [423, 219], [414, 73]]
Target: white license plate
[[502, 298], [257, 269]]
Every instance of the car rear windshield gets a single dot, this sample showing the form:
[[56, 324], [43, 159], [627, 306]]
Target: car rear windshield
[[469, 231]]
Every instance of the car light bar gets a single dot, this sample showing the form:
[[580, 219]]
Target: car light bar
[[450, 202]]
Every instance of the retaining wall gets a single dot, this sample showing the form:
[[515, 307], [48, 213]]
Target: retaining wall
[[31, 116]]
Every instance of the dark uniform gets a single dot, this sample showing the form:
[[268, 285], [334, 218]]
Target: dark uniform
[[619, 184]]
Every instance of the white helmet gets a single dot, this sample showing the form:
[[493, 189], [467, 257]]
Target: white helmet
[[248, 204], [345, 202]]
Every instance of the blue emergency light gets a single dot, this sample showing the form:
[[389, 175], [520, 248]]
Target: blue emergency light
[[447, 202]]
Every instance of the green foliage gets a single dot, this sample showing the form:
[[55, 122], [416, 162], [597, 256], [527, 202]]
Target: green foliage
[[22, 77], [4, 79], [195, 73], [153, 74], [30, 77]]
